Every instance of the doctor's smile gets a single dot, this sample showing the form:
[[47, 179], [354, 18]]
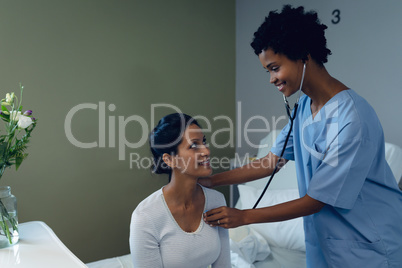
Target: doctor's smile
[[280, 86], [282, 71]]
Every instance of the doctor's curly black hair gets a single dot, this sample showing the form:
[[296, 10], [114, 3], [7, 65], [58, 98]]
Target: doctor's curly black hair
[[294, 33]]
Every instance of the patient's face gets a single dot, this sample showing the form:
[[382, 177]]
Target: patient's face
[[192, 157]]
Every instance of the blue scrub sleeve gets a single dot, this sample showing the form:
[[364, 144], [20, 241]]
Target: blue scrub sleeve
[[344, 168], [280, 141]]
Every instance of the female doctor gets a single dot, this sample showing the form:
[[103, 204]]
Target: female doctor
[[350, 201]]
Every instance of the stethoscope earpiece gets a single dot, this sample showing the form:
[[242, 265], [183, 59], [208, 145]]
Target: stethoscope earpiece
[[288, 110], [291, 118]]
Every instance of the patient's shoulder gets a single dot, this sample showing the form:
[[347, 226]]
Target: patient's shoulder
[[213, 197], [150, 203], [147, 214]]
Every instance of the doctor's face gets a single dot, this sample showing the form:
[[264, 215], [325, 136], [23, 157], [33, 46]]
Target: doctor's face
[[285, 74]]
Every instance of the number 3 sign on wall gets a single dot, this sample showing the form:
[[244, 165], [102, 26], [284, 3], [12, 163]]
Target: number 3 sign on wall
[[336, 16]]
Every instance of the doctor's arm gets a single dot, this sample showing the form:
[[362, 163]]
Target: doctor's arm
[[257, 169], [231, 217]]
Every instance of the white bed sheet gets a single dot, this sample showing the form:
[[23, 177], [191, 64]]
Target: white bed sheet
[[288, 235], [250, 250], [283, 258], [117, 262]]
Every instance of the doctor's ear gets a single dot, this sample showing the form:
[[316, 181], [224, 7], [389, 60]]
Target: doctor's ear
[[307, 59]]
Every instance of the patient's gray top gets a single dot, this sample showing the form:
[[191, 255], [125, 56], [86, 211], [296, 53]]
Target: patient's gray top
[[156, 239]]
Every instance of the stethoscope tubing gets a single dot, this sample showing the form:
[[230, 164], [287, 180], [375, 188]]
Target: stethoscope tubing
[[280, 157], [291, 118]]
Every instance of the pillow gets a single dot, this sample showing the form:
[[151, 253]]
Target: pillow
[[286, 234], [286, 177], [393, 155]]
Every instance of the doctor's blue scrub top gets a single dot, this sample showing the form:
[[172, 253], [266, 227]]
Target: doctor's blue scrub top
[[340, 161]]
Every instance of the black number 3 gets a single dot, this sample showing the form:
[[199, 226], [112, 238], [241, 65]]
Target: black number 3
[[337, 16]]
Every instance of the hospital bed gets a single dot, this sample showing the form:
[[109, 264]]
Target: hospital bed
[[279, 244]]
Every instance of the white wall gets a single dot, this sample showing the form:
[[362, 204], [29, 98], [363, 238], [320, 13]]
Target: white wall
[[366, 56]]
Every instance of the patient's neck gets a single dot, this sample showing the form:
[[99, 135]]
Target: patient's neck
[[186, 202], [182, 192]]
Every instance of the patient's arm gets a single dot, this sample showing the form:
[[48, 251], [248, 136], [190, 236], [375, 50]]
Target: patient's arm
[[224, 257], [143, 245], [257, 169]]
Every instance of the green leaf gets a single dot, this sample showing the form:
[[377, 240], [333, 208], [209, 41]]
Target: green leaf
[[5, 228], [18, 161], [5, 117], [3, 147], [3, 108], [5, 216]]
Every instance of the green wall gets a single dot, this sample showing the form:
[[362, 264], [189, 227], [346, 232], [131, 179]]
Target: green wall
[[131, 54]]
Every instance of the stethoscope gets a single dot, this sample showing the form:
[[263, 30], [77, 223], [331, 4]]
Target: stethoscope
[[291, 118]]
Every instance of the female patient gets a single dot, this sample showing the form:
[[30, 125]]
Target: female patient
[[167, 229]]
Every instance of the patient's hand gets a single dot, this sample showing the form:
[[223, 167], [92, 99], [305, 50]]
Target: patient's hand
[[224, 217]]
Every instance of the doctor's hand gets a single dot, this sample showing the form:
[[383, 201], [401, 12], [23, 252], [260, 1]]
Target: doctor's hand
[[224, 217], [206, 182]]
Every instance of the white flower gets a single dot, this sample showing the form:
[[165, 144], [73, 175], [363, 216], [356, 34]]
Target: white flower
[[10, 97], [24, 121], [15, 116]]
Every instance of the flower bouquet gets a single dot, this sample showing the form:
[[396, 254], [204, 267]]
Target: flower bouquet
[[13, 143]]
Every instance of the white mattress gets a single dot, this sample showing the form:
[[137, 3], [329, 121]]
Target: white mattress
[[283, 258], [117, 262], [249, 249], [278, 258]]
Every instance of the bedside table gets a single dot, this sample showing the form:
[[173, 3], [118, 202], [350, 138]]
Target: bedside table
[[38, 247]]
